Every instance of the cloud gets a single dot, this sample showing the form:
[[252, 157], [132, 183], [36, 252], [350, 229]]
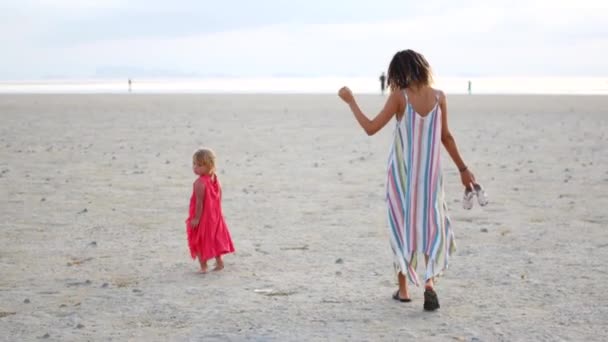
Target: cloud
[[525, 38]]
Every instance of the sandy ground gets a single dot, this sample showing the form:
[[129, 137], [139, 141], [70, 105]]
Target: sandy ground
[[94, 192]]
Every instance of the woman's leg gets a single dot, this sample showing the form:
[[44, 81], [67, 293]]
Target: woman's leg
[[431, 302], [429, 283], [403, 291]]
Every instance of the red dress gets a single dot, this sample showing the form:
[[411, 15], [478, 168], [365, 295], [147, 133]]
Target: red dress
[[211, 237]]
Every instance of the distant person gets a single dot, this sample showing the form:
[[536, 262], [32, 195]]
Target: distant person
[[129, 85], [417, 208], [208, 235], [382, 83], [470, 86]]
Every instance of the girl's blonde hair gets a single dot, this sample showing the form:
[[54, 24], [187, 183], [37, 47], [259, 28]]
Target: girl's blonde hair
[[205, 156]]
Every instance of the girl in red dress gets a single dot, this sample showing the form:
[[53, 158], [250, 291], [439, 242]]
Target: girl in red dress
[[208, 235]]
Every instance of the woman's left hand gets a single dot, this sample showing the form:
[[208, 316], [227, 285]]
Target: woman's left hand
[[467, 178]]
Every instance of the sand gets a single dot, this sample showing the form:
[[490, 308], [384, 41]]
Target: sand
[[94, 193]]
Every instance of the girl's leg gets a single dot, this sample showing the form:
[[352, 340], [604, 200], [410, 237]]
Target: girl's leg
[[219, 263], [202, 263]]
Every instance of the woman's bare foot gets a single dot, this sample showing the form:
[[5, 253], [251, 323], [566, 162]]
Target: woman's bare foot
[[402, 297]]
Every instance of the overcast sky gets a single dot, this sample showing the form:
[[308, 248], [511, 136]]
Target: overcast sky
[[115, 38]]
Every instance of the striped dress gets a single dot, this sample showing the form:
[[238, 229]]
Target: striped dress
[[417, 211]]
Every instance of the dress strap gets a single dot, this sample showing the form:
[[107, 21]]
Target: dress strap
[[407, 103]]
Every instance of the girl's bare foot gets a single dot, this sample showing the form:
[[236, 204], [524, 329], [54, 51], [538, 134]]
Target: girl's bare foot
[[204, 267], [219, 264]]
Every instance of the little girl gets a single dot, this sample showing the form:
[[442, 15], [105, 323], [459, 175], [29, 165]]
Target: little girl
[[417, 211], [208, 235]]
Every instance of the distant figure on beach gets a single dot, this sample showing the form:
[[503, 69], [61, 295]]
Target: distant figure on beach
[[129, 85], [416, 204], [208, 235], [382, 83], [470, 84]]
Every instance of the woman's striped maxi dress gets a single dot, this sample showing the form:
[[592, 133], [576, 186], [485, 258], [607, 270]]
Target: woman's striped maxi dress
[[417, 212]]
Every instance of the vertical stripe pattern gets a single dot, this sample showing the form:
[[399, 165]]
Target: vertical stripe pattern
[[417, 211]]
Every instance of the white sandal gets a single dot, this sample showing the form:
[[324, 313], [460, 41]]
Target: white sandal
[[467, 198], [482, 197]]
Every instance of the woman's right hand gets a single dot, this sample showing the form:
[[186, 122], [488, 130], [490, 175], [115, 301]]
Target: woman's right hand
[[346, 95]]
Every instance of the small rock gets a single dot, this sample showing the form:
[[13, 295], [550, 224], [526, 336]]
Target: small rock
[[167, 162], [484, 230], [136, 290], [83, 211], [531, 171], [42, 199], [93, 244], [79, 326], [46, 335], [105, 285], [316, 165], [63, 306], [339, 261], [338, 273], [26, 301]]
